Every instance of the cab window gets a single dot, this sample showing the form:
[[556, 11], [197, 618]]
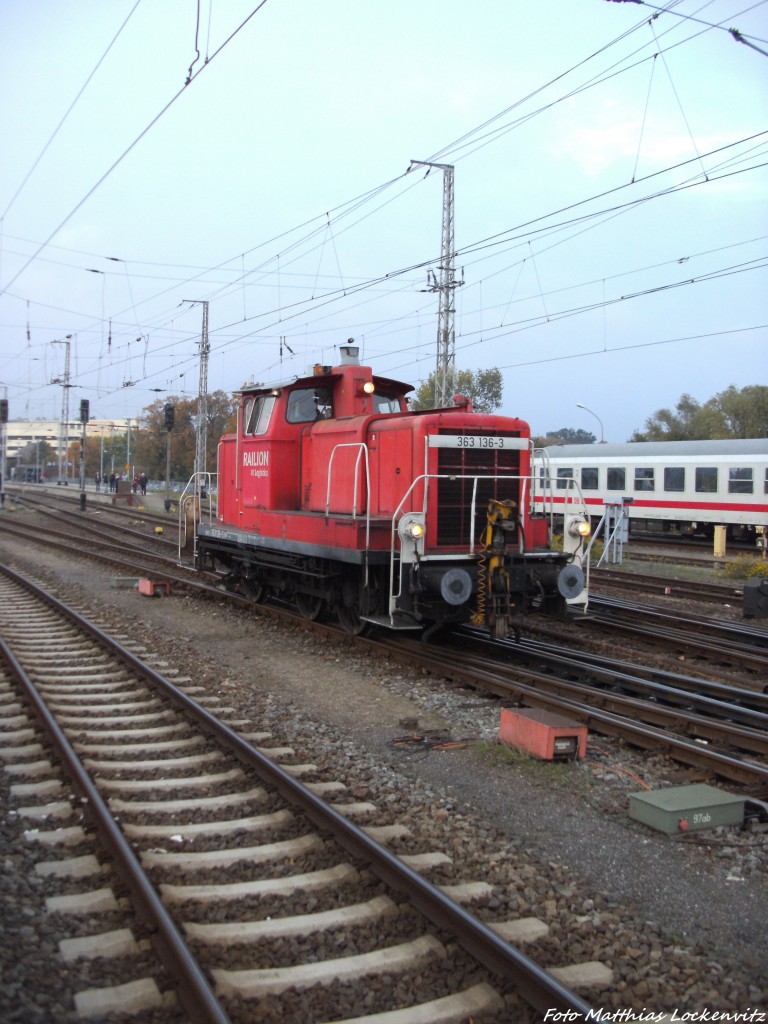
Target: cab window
[[256, 415], [385, 404], [309, 404]]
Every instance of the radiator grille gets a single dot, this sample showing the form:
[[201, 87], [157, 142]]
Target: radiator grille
[[454, 497]]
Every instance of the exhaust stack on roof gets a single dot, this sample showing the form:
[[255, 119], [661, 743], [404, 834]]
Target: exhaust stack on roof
[[350, 354]]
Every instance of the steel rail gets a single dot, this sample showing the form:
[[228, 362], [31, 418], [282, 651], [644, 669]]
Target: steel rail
[[751, 635], [195, 993], [748, 707], [751, 735], [533, 983], [702, 591], [82, 519], [757, 700]]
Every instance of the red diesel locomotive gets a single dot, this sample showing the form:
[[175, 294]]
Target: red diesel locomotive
[[334, 496]]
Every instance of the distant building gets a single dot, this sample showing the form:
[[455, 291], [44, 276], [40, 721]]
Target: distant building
[[21, 433]]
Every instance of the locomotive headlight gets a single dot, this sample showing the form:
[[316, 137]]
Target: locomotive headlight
[[580, 528], [415, 530], [369, 387], [412, 528]]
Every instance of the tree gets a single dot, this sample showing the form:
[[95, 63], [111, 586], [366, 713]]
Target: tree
[[483, 387], [152, 437], [732, 413], [742, 413], [565, 435]]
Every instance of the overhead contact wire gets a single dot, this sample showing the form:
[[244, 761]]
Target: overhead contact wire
[[125, 153]]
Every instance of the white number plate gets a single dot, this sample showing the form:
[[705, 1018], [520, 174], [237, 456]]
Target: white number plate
[[477, 441]]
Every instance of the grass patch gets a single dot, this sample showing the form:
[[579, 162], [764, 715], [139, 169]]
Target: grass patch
[[499, 755]]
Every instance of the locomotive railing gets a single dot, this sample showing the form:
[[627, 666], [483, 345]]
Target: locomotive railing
[[470, 551], [540, 464], [362, 452], [196, 501], [544, 488], [476, 479]]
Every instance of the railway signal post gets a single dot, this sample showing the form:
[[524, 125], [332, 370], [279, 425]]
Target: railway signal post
[[3, 421], [84, 417], [169, 414]]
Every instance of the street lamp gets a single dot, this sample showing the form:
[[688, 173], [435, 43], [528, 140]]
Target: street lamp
[[602, 433]]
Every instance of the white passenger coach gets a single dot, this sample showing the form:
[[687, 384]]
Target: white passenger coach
[[696, 485]]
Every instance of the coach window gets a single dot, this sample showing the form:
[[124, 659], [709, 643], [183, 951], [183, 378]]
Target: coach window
[[740, 481], [563, 476], [589, 478], [674, 478], [706, 480], [765, 485], [617, 479], [256, 415], [644, 480], [309, 404]]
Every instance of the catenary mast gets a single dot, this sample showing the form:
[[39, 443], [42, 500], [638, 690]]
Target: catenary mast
[[444, 283], [201, 437]]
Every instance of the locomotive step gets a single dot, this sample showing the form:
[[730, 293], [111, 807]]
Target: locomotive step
[[389, 622]]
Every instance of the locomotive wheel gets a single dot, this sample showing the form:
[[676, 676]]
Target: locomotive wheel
[[253, 590], [310, 605], [349, 619], [356, 600]]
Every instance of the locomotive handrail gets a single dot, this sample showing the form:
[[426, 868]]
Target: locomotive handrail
[[362, 450], [569, 484], [547, 495]]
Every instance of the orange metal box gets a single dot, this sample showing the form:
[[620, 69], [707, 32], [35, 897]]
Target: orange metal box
[[542, 734], [153, 588]]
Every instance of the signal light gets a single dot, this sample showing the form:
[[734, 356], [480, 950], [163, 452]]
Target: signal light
[[169, 412], [3, 410], [84, 410]]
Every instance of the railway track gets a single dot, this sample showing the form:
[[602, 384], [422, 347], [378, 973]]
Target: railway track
[[667, 586], [653, 710], [706, 642], [671, 714], [262, 898]]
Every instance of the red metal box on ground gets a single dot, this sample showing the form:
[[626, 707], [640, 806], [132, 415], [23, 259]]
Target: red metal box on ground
[[542, 734], [153, 588]]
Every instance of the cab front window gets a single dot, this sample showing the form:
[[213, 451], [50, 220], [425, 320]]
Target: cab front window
[[305, 405], [383, 405]]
